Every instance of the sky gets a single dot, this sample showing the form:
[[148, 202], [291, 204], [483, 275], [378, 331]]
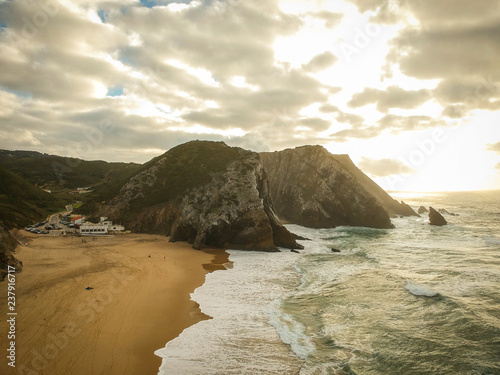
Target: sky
[[410, 89]]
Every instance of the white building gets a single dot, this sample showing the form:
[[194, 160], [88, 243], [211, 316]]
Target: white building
[[104, 227], [78, 220], [89, 228], [116, 228], [111, 227]]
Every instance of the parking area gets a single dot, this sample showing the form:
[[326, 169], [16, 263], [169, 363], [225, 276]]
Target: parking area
[[56, 225]]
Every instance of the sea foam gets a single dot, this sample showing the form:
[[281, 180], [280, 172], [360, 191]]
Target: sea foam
[[238, 339], [419, 290]]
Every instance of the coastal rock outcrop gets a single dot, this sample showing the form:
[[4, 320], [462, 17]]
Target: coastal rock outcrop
[[422, 210], [314, 188], [435, 218], [445, 212], [206, 193], [8, 245]]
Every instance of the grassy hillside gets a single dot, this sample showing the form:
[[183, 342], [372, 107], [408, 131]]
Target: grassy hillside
[[61, 172], [21, 203], [185, 167]]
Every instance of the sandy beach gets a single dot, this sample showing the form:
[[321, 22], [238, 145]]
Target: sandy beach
[[139, 301]]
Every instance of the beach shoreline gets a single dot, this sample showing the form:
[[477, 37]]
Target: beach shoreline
[[103, 306]]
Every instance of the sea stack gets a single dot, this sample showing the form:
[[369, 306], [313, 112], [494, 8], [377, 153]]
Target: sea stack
[[435, 218], [422, 210], [206, 193]]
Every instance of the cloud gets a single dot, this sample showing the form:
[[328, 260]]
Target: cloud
[[163, 72], [459, 11], [349, 118], [384, 167], [393, 123], [392, 97], [366, 132], [461, 95], [397, 123], [315, 123], [494, 147], [438, 52], [385, 11], [455, 42], [329, 108], [55, 77], [320, 62], [454, 39], [331, 19], [455, 111]]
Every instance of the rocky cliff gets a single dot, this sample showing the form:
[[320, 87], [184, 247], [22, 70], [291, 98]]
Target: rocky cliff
[[206, 193], [392, 206], [311, 187]]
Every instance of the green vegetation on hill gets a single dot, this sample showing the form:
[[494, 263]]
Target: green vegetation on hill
[[62, 172], [21, 203], [184, 167]]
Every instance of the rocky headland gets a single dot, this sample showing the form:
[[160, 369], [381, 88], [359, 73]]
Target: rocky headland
[[206, 193], [314, 188]]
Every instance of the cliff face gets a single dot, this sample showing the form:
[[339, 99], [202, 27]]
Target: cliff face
[[313, 188], [206, 193], [7, 247], [392, 206]]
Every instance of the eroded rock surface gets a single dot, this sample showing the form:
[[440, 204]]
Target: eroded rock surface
[[313, 188], [206, 193]]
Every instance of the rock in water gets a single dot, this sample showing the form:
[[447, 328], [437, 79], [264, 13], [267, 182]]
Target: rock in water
[[435, 218], [313, 188], [206, 193], [422, 210]]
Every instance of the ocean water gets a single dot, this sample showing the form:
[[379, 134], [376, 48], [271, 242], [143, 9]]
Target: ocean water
[[416, 299]]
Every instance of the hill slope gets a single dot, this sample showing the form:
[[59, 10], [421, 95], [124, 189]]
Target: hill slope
[[311, 187], [206, 193], [390, 204], [57, 171], [8, 245], [21, 203]]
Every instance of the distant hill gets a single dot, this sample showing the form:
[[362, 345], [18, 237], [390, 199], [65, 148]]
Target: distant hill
[[55, 172], [22, 203]]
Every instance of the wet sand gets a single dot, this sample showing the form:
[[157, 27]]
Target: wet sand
[[140, 299]]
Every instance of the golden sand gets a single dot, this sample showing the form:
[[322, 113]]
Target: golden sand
[[140, 299]]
